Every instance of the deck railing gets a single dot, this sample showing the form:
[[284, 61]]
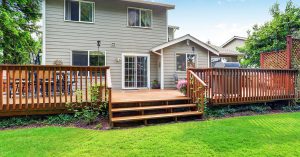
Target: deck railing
[[236, 86], [196, 90], [32, 89]]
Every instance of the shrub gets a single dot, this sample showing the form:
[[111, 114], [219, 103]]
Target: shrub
[[182, 86], [89, 113], [62, 119]]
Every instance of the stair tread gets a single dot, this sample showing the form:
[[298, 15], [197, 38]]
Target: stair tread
[[152, 107], [155, 116], [150, 100]]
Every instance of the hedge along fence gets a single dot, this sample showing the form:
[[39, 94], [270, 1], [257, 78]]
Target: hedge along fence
[[284, 59]]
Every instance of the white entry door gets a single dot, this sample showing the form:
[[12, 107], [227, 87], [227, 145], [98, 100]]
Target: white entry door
[[136, 71]]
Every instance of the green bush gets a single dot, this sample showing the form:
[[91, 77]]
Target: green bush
[[228, 110], [63, 119], [89, 113]]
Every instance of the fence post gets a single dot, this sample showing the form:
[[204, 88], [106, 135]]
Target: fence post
[[289, 44], [188, 82]]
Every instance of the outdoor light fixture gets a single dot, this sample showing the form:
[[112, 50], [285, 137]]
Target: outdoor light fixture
[[98, 44]]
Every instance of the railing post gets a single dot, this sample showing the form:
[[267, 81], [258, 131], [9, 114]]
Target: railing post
[[188, 82]]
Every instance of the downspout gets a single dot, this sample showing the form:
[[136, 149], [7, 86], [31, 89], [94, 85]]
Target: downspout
[[44, 32], [162, 77]]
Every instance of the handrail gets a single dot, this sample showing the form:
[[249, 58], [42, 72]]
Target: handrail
[[198, 78], [196, 90], [254, 69]]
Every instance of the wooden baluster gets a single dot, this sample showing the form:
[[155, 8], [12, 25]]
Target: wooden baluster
[[55, 86], [14, 88], [76, 84], [91, 81], [60, 87], [32, 87], [71, 85], [86, 84], [20, 88], [26, 87], [49, 86], [38, 87], [8, 93], [66, 85], [81, 88], [101, 86], [44, 88]]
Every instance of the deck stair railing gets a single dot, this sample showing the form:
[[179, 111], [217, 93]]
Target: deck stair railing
[[35, 89], [196, 90]]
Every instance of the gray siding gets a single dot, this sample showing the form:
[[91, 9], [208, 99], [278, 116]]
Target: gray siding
[[233, 45], [110, 27], [170, 61]]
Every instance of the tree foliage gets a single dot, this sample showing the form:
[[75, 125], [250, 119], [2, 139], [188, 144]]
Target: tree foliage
[[271, 36], [18, 25]]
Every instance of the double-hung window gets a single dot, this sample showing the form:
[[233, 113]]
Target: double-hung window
[[184, 61], [79, 11], [88, 58], [139, 17]]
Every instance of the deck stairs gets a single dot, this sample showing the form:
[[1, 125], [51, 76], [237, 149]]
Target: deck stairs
[[152, 110]]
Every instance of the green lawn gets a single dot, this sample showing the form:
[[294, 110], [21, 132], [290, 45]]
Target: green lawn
[[269, 135]]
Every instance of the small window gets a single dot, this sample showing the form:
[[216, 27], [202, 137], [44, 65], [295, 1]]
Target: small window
[[184, 61], [139, 17], [88, 58], [80, 11], [97, 59]]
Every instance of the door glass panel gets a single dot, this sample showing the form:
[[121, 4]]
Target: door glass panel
[[129, 72], [142, 80]]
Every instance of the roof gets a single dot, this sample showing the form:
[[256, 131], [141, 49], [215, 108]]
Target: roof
[[225, 52], [233, 38], [212, 48], [173, 27], [183, 38], [168, 6]]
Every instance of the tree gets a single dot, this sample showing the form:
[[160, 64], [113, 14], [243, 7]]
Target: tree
[[18, 24], [271, 36]]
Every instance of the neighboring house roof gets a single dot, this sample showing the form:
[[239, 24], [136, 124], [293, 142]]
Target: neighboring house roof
[[226, 52], [173, 27], [168, 6], [186, 37], [232, 39], [212, 48]]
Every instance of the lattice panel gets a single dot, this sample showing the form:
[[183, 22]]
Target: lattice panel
[[274, 60], [296, 53]]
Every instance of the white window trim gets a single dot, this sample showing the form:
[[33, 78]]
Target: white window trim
[[140, 18], [71, 56], [123, 69], [196, 64], [80, 1]]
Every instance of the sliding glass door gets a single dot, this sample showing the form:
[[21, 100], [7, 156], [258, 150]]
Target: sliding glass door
[[135, 71]]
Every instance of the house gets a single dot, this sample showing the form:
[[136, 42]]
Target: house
[[231, 45], [131, 36]]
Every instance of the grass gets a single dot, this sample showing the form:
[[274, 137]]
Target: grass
[[267, 135]]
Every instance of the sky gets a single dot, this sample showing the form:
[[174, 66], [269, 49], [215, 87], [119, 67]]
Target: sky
[[219, 20]]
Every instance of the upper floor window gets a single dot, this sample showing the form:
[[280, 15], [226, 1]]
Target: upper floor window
[[139, 17], [79, 11]]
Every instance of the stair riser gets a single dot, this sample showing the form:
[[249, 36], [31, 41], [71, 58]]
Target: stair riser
[[138, 104]]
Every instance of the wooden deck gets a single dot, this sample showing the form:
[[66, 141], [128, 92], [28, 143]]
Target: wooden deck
[[132, 96]]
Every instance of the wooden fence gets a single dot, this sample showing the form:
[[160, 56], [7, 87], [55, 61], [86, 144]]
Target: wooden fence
[[31, 89], [236, 86]]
